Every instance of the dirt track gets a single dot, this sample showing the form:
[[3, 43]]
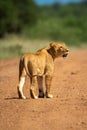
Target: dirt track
[[66, 111]]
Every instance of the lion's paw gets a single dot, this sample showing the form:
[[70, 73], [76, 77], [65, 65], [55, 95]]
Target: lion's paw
[[23, 97], [49, 96]]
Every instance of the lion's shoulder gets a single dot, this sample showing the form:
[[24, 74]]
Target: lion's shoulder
[[42, 51]]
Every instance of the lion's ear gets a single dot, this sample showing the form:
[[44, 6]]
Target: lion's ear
[[52, 44], [62, 43]]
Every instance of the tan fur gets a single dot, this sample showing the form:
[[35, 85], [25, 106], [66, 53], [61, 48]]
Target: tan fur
[[37, 65]]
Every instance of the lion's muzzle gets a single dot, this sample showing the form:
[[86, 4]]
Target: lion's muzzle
[[66, 53]]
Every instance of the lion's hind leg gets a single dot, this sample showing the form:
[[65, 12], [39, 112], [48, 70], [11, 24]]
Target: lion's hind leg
[[32, 87], [20, 88]]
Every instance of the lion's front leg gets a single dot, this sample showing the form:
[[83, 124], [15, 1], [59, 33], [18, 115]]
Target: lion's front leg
[[32, 87], [40, 86], [48, 80]]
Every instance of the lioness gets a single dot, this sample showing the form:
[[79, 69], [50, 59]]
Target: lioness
[[37, 65]]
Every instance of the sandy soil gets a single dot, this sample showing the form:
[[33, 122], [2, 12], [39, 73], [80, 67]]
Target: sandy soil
[[66, 111]]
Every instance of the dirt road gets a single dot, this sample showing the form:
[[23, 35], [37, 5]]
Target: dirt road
[[66, 111]]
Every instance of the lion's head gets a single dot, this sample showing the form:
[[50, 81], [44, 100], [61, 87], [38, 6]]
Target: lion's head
[[59, 49]]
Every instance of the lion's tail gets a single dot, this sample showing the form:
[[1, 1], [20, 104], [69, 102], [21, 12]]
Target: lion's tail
[[21, 65]]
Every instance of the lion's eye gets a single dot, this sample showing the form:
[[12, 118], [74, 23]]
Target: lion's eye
[[67, 50], [61, 48]]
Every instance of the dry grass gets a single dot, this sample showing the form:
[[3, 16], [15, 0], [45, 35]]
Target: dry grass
[[14, 46]]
